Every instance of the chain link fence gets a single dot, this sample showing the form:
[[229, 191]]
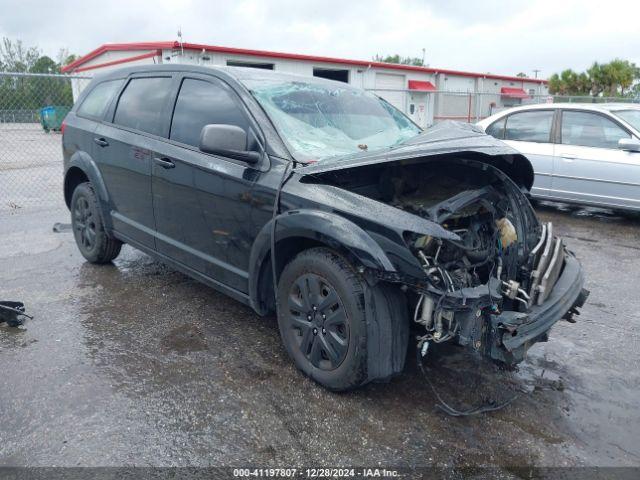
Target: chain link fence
[[32, 107], [429, 107]]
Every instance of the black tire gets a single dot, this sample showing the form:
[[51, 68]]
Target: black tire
[[88, 227], [357, 334]]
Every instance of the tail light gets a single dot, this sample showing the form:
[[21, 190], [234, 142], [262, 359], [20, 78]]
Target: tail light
[[62, 127]]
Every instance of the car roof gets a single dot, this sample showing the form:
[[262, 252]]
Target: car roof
[[606, 107], [244, 75]]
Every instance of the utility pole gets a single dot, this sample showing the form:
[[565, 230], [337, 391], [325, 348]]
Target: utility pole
[[535, 72], [423, 53], [180, 40]]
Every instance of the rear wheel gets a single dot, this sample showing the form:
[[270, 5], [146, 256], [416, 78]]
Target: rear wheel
[[88, 227], [340, 331]]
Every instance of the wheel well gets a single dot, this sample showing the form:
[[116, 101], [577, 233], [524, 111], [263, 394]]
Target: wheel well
[[72, 179], [286, 250]]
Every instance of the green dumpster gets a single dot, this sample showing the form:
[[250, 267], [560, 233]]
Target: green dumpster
[[51, 117]]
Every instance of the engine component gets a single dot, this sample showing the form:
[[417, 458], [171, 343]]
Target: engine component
[[507, 231]]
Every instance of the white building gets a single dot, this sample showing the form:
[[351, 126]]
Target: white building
[[426, 94]]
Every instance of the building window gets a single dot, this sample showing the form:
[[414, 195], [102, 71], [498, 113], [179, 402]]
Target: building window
[[264, 66], [332, 74]]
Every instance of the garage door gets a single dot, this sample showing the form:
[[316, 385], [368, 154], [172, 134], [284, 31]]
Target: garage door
[[389, 81]]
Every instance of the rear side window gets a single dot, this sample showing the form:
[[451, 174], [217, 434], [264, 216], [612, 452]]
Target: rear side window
[[141, 104], [496, 129], [96, 103], [590, 130], [534, 126], [202, 103]]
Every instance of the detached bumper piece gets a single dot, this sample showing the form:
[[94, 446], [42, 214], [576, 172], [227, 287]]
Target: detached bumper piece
[[512, 333]]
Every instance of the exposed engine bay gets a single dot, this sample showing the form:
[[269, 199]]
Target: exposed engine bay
[[481, 285]]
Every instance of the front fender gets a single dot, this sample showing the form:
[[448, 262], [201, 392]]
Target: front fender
[[327, 228]]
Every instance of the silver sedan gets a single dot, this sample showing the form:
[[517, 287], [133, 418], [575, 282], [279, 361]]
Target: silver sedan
[[581, 153]]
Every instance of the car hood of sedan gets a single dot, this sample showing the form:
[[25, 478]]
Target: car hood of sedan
[[444, 139]]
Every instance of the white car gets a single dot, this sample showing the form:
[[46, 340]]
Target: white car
[[581, 153]]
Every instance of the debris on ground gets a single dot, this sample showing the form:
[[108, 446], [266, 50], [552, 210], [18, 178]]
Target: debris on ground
[[61, 227], [13, 313]]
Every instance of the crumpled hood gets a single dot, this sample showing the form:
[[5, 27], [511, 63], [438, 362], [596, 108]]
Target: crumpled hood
[[443, 139]]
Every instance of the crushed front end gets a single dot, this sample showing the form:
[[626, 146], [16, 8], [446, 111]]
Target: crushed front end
[[504, 281]]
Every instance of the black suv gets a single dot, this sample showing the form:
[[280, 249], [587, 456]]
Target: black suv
[[323, 203]]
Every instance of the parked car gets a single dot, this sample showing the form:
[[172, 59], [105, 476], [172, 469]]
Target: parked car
[[324, 203], [581, 153]]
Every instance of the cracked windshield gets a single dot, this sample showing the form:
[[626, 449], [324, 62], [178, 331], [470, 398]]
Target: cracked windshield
[[319, 122]]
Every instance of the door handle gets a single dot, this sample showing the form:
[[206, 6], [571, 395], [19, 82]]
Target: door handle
[[164, 162], [101, 142], [568, 157]]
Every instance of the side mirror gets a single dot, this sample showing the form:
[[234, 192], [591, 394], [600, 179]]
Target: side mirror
[[629, 144], [229, 141]]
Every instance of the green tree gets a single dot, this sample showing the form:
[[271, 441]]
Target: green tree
[[398, 59], [31, 92], [44, 65], [15, 57], [621, 75], [615, 78], [65, 58]]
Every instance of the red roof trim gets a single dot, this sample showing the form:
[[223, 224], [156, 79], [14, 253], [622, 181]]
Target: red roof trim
[[115, 46], [287, 56], [121, 60], [513, 92], [422, 86]]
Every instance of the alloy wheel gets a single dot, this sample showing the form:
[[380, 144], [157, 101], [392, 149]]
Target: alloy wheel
[[84, 223]]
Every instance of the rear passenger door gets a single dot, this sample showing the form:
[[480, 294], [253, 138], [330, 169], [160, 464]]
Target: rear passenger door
[[202, 202], [124, 143], [590, 167]]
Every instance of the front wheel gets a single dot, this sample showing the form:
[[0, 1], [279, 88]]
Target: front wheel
[[339, 330], [88, 227]]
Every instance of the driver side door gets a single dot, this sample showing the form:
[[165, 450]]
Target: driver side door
[[201, 201]]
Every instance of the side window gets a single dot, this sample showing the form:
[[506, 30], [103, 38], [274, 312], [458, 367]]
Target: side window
[[496, 129], [533, 126], [590, 130], [202, 103], [140, 105], [97, 101]]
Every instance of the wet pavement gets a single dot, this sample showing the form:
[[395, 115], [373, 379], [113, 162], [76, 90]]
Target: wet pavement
[[135, 364]]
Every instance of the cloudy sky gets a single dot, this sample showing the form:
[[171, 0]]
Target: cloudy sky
[[486, 36]]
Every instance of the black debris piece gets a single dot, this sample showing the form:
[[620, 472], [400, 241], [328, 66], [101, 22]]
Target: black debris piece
[[13, 313]]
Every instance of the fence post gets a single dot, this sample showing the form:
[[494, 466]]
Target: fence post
[[469, 110]]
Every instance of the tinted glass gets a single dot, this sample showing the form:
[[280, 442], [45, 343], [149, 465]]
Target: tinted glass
[[590, 130], [496, 129], [202, 103], [529, 126], [632, 117], [140, 105], [96, 103]]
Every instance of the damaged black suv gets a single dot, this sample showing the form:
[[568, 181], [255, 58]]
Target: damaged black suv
[[323, 203]]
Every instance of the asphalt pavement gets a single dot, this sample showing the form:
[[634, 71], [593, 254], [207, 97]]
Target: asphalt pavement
[[136, 364]]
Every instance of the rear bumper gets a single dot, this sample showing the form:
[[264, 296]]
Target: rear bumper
[[513, 334]]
